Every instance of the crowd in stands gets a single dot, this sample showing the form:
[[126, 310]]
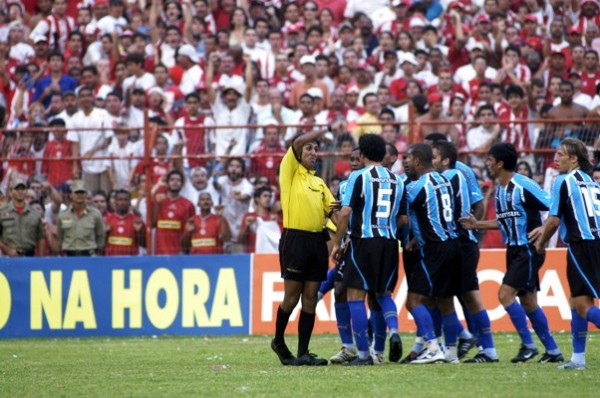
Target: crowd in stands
[[228, 84]]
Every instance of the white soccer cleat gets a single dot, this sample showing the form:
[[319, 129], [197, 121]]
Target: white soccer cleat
[[378, 359], [345, 355], [429, 356]]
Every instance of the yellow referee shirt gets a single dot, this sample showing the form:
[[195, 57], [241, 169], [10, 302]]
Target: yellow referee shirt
[[305, 198]]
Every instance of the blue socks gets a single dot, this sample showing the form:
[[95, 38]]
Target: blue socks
[[358, 313], [579, 329], [342, 315], [379, 331], [519, 320], [483, 327], [327, 284], [540, 325], [593, 316], [436, 318], [424, 322], [390, 312], [451, 325]]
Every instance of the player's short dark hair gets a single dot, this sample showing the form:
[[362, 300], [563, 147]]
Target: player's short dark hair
[[506, 153], [372, 146], [447, 150], [423, 152], [391, 148]]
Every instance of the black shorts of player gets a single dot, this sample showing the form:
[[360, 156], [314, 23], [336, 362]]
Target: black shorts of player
[[303, 255], [583, 268], [438, 272], [372, 265], [410, 260], [522, 266], [469, 254]]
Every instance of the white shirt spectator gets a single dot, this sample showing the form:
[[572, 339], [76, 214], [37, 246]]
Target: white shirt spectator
[[135, 117], [145, 82], [476, 137], [191, 193], [466, 73], [580, 99], [234, 209], [190, 79], [222, 116], [90, 139], [108, 24], [123, 166], [22, 52], [368, 7]]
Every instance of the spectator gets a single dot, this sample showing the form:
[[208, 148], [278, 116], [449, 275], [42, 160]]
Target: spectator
[[100, 202], [308, 69], [21, 229], [196, 184], [171, 212], [90, 138], [371, 116], [125, 231], [268, 152], [482, 138], [80, 227], [58, 171], [261, 222], [56, 82], [235, 192], [206, 232], [194, 135]]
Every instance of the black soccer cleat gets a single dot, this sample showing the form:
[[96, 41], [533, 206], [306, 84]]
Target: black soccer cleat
[[464, 345], [283, 353], [395, 348], [360, 362], [481, 358], [309, 359], [525, 354], [410, 357], [549, 358]]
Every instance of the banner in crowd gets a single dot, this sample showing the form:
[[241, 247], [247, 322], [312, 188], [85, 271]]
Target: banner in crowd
[[119, 296], [553, 296]]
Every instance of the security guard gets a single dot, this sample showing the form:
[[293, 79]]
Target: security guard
[[80, 228], [20, 225]]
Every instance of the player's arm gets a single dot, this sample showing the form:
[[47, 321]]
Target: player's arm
[[550, 227], [477, 209], [342, 226], [473, 223]]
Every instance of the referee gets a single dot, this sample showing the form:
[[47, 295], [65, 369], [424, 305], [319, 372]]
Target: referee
[[303, 256]]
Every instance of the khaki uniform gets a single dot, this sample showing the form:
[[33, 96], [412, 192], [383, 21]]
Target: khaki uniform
[[21, 231], [83, 235]]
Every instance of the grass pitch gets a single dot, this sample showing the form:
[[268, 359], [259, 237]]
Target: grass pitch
[[246, 366]]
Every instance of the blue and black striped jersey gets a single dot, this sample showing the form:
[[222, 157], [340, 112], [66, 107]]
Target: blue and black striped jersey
[[518, 207], [430, 207], [375, 195], [576, 200], [462, 200], [341, 189], [475, 193]]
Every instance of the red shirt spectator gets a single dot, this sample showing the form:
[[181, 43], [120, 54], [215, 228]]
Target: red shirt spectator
[[123, 230], [57, 171], [206, 232], [269, 153]]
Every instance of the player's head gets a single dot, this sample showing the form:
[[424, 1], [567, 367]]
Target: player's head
[[596, 173], [205, 202], [572, 154], [501, 157], [418, 159], [372, 147], [355, 162], [122, 201], [391, 155], [444, 155], [263, 196]]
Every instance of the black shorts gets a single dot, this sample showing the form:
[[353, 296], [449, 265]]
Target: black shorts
[[583, 268], [372, 265], [469, 254], [410, 260], [522, 266], [438, 272], [303, 256]]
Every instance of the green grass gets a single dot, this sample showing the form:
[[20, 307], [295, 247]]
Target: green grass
[[244, 365]]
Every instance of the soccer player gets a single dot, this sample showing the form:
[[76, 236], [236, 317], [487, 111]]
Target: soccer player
[[575, 207], [519, 201], [444, 162], [303, 255], [430, 205], [374, 196]]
